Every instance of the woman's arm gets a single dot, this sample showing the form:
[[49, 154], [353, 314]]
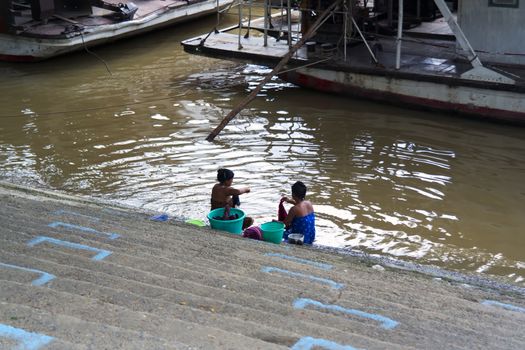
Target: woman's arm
[[230, 191], [288, 200], [289, 218]]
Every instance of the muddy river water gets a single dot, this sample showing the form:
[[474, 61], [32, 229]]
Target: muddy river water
[[427, 187]]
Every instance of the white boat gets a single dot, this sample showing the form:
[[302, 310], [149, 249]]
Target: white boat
[[476, 68], [33, 30]]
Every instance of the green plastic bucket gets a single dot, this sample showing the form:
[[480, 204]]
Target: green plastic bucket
[[272, 231], [232, 226]]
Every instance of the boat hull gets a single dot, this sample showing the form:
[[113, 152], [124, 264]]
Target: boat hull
[[19, 48], [503, 105]]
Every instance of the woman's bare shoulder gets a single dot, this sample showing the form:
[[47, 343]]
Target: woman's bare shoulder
[[309, 206], [217, 189]]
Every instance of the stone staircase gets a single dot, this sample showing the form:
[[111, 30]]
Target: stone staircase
[[81, 275]]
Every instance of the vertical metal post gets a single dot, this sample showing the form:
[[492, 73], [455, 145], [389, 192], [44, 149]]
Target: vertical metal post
[[7, 15], [218, 14], [399, 34], [345, 29], [240, 23], [418, 14], [390, 12], [250, 4], [281, 20], [266, 14], [289, 18], [42, 9]]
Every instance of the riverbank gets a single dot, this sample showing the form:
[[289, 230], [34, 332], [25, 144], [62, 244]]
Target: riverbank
[[79, 274]]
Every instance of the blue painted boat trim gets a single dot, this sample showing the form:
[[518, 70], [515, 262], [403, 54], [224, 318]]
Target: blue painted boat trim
[[26, 340], [329, 282], [386, 322], [101, 253], [46, 277], [301, 260]]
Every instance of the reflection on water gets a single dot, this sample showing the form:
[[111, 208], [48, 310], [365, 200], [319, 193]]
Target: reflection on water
[[413, 185]]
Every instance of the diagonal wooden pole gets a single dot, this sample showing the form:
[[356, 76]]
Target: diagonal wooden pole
[[309, 34]]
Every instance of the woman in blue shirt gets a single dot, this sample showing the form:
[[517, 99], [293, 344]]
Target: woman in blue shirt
[[301, 217]]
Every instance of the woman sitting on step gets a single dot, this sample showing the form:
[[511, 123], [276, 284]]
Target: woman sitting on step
[[301, 217], [224, 194]]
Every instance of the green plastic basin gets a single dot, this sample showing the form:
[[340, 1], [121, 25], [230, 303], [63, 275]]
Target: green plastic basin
[[272, 231], [232, 226]]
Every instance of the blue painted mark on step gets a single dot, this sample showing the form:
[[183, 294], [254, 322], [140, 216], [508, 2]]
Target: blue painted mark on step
[[26, 340], [46, 277], [300, 260], [308, 343], [503, 305], [101, 253], [329, 282], [69, 212], [386, 322], [83, 229]]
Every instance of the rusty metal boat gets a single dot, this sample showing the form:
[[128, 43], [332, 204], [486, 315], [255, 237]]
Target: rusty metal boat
[[33, 30]]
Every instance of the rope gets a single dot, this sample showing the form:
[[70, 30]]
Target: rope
[[94, 54], [304, 66]]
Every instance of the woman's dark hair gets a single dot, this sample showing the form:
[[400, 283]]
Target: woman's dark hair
[[224, 175], [299, 190]]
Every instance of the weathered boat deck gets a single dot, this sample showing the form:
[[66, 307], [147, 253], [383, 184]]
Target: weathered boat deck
[[435, 59], [64, 25], [29, 40], [77, 274], [435, 56]]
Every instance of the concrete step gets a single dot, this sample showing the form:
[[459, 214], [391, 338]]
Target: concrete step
[[128, 322], [71, 332], [163, 277], [231, 258], [205, 264], [245, 281], [206, 311], [215, 304], [221, 270]]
